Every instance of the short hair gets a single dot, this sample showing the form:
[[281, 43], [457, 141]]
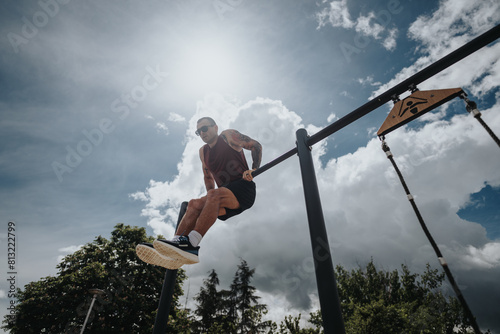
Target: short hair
[[210, 119]]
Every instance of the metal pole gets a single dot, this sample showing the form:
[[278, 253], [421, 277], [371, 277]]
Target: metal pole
[[88, 313], [167, 291], [325, 276], [95, 293]]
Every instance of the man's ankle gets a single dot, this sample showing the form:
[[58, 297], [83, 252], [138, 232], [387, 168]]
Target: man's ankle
[[195, 238]]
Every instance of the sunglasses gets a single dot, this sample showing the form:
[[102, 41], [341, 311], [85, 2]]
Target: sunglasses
[[203, 129]]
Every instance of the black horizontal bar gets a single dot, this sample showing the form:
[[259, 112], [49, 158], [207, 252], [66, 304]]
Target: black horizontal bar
[[428, 72], [431, 70], [276, 161]]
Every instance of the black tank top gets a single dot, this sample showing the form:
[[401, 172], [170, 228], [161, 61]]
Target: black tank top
[[225, 163]]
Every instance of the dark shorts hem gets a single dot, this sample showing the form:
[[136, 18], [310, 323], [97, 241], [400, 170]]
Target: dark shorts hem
[[244, 191]]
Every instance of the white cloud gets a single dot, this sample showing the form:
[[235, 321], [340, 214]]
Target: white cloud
[[174, 117], [332, 117], [336, 14], [368, 81], [344, 93], [389, 42], [69, 249], [366, 211], [374, 25], [365, 208], [452, 25], [367, 26], [162, 127], [485, 257], [66, 251], [3, 294]]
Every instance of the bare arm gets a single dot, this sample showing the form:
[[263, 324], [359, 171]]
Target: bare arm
[[207, 176], [239, 141]]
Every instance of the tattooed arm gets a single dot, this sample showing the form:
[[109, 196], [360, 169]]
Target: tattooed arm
[[207, 176], [239, 141]]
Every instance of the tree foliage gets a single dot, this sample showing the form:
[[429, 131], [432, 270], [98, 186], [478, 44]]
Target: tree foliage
[[372, 301], [375, 301], [210, 311], [292, 325], [59, 304], [230, 311]]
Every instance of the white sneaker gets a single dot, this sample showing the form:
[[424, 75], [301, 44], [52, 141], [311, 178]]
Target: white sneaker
[[147, 253], [181, 250]]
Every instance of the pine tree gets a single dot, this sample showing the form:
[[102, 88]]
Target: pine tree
[[244, 303], [209, 306], [230, 311]]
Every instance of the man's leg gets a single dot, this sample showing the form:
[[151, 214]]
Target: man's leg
[[216, 200], [188, 221], [185, 250]]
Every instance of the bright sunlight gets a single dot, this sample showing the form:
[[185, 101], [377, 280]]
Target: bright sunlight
[[207, 67]]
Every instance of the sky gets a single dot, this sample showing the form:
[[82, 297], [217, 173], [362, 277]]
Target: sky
[[98, 108]]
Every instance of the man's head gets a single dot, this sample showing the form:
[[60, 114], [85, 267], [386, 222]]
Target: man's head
[[207, 129]]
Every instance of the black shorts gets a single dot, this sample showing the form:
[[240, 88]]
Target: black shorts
[[244, 191]]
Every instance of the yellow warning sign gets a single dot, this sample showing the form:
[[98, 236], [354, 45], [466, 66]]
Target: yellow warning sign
[[415, 105]]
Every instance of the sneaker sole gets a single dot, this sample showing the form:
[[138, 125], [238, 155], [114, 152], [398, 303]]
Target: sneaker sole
[[152, 256], [175, 253]]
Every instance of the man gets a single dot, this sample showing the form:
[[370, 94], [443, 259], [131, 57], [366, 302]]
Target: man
[[224, 164]]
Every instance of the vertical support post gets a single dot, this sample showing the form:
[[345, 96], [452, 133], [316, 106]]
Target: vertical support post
[[325, 275], [167, 291]]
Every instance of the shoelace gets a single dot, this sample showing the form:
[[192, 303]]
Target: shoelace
[[183, 239]]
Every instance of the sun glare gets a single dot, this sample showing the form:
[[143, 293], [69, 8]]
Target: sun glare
[[207, 68]]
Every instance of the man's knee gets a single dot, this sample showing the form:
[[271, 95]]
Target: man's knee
[[213, 194], [196, 204], [218, 194]]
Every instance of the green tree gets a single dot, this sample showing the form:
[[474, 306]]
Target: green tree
[[244, 302], [209, 307], [291, 325], [389, 302], [59, 304], [375, 301], [230, 311]]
